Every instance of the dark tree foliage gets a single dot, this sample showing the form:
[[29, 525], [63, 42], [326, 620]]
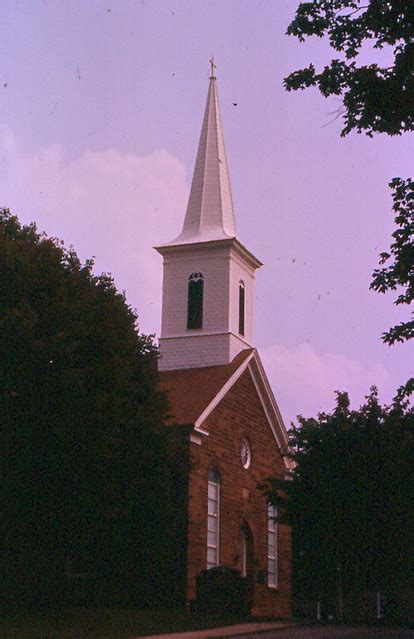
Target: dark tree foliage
[[87, 482], [400, 273], [350, 502], [376, 99]]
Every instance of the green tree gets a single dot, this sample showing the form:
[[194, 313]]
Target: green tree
[[350, 502], [88, 484], [400, 273], [375, 99]]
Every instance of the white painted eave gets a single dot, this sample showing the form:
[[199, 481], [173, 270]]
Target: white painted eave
[[233, 242], [269, 404], [222, 393]]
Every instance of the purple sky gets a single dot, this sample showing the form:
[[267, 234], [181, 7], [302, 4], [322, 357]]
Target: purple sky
[[100, 112]]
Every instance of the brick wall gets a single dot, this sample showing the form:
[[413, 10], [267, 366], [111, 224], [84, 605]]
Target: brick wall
[[238, 415]]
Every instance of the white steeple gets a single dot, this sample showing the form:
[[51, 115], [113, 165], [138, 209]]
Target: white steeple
[[210, 213], [207, 314]]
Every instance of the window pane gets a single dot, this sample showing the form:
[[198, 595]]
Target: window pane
[[241, 308], [271, 579], [272, 546], [212, 523], [212, 491], [212, 556], [212, 507], [195, 302], [211, 539]]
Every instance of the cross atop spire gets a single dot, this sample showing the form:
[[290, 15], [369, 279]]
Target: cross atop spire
[[212, 67]]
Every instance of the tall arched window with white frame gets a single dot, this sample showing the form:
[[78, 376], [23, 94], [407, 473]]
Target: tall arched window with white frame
[[195, 301], [271, 546], [242, 300], [213, 518]]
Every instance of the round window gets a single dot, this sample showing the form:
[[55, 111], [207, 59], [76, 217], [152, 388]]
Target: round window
[[245, 453]]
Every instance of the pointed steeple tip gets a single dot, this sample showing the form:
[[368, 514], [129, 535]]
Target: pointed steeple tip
[[210, 213], [212, 67]]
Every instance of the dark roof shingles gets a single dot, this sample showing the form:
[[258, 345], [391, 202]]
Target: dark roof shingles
[[191, 390]]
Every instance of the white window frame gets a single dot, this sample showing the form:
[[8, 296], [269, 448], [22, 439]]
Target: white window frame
[[215, 545], [272, 549], [245, 453]]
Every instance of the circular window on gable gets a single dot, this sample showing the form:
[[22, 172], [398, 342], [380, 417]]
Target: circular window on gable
[[245, 453]]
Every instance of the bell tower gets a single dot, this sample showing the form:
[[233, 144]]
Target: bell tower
[[207, 304]]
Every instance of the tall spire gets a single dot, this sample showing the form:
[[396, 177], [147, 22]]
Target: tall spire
[[208, 273], [210, 213]]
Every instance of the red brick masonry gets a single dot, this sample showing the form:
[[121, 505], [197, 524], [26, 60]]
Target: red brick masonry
[[238, 415]]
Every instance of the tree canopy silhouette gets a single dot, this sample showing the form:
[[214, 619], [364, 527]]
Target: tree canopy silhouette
[[88, 482], [350, 502], [376, 98]]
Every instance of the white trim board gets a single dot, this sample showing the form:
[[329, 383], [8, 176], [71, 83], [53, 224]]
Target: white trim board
[[223, 391], [265, 394]]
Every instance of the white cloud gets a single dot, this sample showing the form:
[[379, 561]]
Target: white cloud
[[111, 205], [117, 206], [304, 380]]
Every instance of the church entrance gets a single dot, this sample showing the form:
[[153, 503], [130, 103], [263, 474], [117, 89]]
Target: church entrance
[[246, 552]]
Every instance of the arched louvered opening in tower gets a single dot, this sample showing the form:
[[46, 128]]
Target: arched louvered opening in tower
[[195, 301], [242, 299]]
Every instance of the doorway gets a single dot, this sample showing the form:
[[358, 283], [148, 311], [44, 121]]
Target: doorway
[[246, 552]]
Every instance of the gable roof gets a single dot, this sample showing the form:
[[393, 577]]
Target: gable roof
[[194, 393], [191, 390]]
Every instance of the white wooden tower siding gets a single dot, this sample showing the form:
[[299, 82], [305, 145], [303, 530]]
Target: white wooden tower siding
[[207, 306]]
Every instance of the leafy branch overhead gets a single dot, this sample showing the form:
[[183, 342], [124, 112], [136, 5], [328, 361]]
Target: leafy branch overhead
[[399, 274], [376, 98]]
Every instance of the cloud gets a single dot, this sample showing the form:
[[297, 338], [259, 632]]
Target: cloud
[[111, 205], [304, 380], [117, 206]]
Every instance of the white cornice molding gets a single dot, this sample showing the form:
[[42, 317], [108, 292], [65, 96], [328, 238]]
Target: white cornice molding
[[230, 242], [194, 333], [223, 391], [272, 398], [268, 401]]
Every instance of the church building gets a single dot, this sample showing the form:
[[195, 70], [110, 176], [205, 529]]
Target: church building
[[228, 432]]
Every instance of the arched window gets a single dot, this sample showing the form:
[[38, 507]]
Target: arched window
[[241, 307], [213, 505], [195, 301], [271, 546]]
